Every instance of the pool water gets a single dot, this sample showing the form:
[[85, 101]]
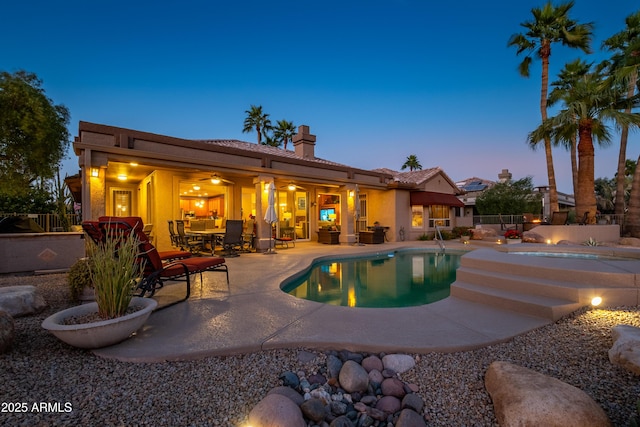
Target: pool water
[[395, 279]]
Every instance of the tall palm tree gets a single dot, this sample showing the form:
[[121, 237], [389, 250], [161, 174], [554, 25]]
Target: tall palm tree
[[258, 121], [550, 25], [589, 105], [284, 131], [412, 163], [566, 79], [624, 65], [271, 141]]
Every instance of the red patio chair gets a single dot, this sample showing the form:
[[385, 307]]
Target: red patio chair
[[156, 272], [92, 229]]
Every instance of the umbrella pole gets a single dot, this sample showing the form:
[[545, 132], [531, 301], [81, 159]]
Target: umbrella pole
[[271, 239]]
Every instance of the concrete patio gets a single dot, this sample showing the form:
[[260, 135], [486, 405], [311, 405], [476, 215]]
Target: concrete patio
[[253, 314]]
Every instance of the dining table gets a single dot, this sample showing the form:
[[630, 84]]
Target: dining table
[[215, 236]]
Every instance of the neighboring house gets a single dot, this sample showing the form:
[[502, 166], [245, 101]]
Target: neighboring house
[[160, 178], [472, 188]]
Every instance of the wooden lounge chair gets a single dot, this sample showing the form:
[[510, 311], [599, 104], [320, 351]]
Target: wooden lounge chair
[[156, 272]]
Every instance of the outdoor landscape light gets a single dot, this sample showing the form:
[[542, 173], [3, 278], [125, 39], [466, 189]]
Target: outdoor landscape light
[[548, 241], [596, 301]]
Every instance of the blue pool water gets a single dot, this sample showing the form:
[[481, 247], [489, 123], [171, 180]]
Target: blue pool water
[[395, 279]]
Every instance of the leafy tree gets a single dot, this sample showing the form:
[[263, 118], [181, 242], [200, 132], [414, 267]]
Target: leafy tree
[[509, 198], [549, 25], [412, 163], [624, 66], [590, 104], [33, 136], [605, 189], [258, 121], [284, 132]]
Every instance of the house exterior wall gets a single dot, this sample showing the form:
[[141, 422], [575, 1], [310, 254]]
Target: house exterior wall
[[169, 161]]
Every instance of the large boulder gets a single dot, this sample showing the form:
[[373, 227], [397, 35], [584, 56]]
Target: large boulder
[[531, 237], [21, 300], [276, 410], [353, 377], [522, 397], [7, 331], [625, 351], [483, 233], [629, 241]]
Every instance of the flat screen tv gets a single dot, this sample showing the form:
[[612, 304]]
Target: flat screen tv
[[324, 214]]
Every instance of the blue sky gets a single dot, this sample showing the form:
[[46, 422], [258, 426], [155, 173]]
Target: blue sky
[[376, 81]]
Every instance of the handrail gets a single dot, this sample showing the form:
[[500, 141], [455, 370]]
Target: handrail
[[440, 240]]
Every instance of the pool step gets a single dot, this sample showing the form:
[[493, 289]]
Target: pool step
[[534, 305], [520, 283]]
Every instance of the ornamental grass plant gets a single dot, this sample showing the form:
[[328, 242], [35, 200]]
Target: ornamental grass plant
[[115, 273]]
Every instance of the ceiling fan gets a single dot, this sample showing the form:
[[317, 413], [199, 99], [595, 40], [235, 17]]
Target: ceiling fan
[[292, 186], [216, 179]]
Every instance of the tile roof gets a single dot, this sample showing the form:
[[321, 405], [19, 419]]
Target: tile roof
[[414, 177], [265, 149]]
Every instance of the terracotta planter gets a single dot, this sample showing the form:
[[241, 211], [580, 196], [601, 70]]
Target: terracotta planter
[[102, 333]]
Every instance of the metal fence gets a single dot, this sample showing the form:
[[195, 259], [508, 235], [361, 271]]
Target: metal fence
[[49, 222], [518, 219]]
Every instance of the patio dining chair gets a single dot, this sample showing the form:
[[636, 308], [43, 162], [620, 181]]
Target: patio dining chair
[[192, 243], [175, 239], [233, 239], [156, 272]]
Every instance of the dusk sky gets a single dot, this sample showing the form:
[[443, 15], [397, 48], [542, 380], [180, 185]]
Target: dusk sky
[[376, 81]]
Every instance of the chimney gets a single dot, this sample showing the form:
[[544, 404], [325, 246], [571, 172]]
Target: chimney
[[304, 143], [504, 176]]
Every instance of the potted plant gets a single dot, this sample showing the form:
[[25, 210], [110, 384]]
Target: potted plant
[[115, 314], [513, 236]]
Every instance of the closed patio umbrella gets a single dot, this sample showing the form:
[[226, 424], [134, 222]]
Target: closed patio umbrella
[[271, 216]]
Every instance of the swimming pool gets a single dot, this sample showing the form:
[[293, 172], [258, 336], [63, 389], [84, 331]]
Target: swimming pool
[[401, 278]]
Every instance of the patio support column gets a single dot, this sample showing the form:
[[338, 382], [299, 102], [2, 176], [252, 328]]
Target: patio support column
[[347, 221], [263, 230]]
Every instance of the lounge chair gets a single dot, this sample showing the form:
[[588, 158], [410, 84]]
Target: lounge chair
[[156, 272], [96, 233], [584, 219], [558, 218]]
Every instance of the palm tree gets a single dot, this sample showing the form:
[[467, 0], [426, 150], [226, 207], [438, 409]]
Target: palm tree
[[271, 141], [412, 163], [258, 121], [589, 105], [566, 79], [284, 131], [625, 63], [550, 25]]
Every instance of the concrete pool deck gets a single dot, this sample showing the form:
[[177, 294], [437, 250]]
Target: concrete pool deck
[[253, 314]]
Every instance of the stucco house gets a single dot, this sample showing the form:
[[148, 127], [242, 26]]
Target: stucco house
[[160, 178]]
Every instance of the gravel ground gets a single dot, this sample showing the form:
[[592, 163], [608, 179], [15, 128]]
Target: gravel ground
[[78, 388]]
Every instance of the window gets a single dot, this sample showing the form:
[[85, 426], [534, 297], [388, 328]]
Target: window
[[439, 215], [416, 216], [121, 203]]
